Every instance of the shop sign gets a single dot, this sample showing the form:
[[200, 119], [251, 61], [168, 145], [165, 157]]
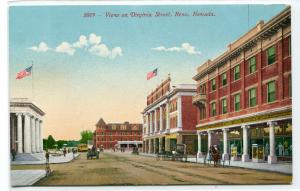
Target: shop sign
[[248, 120], [234, 151], [171, 136]]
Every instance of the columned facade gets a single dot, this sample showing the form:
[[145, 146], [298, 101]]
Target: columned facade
[[172, 118], [244, 96], [26, 120]]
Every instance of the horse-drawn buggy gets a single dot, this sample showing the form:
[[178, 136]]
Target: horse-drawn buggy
[[92, 153], [179, 154]]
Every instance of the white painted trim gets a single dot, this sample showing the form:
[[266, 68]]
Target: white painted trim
[[244, 116]]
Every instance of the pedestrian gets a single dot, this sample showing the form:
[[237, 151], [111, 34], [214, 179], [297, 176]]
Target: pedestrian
[[65, 151], [13, 153], [47, 156], [73, 151]]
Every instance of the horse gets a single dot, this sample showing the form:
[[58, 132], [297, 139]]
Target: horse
[[215, 154]]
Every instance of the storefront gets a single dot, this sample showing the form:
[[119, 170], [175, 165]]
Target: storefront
[[191, 143], [256, 137]]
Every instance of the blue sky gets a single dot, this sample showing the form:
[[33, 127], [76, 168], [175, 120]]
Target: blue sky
[[101, 86]]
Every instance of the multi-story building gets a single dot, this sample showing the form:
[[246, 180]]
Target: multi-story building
[[170, 118], [244, 96], [108, 135]]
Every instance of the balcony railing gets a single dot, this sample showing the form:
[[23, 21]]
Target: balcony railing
[[199, 99]]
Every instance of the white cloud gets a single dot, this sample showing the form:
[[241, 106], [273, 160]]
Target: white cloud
[[185, 47], [100, 50], [65, 47], [94, 39], [117, 51], [43, 47], [82, 41], [103, 51], [92, 44]]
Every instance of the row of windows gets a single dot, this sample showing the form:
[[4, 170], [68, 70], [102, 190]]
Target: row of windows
[[119, 133], [122, 139], [271, 97], [271, 57]]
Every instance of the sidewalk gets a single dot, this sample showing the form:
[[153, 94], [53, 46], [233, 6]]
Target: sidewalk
[[286, 168], [26, 177], [52, 160]]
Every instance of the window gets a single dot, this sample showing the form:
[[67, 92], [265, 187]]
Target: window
[[271, 91], [213, 84], [290, 86], [237, 102], [224, 79], [271, 55], [236, 71], [224, 106], [290, 46], [252, 65], [252, 97], [213, 109]]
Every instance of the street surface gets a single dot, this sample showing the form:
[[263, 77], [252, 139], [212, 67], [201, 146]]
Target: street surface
[[127, 169]]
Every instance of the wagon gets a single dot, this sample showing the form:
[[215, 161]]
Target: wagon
[[92, 153]]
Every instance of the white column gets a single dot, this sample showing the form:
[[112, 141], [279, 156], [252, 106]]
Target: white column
[[245, 156], [149, 146], [179, 113], [33, 134], [154, 145], [225, 148], [208, 141], [151, 124], [37, 135], [155, 121], [199, 145], [41, 135], [20, 133], [27, 137], [272, 157], [146, 114], [167, 117], [160, 118], [160, 145]]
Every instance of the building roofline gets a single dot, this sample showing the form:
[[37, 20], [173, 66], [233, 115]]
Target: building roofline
[[25, 102], [263, 30], [175, 90]]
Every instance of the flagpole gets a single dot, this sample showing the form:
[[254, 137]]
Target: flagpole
[[32, 85]]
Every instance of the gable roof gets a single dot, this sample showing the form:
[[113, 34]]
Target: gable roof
[[101, 122]]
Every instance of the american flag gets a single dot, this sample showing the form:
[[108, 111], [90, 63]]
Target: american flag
[[151, 74], [24, 73]]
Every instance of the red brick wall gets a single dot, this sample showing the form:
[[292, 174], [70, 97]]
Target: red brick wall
[[189, 113], [116, 136], [279, 70]]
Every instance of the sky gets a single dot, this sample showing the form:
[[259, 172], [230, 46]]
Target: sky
[[85, 68]]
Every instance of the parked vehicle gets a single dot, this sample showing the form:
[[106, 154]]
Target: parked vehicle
[[82, 147], [92, 153]]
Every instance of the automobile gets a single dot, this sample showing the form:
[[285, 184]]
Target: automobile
[[91, 153], [82, 147]]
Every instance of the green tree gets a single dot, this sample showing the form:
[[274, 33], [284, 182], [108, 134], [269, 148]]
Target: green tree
[[50, 142], [45, 144], [85, 136], [60, 143]]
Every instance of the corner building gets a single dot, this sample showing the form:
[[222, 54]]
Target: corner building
[[244, 96], [108, 134], [170, 118]]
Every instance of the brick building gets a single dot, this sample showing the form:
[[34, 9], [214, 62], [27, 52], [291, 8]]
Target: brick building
[[244, 95], [170, 118], [109, 134]]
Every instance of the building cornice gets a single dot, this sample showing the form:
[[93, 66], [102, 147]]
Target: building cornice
[[27, 104], [168, 96], [271, 27]]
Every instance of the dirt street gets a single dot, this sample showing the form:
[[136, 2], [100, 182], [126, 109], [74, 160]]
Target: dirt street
[[127, 169]]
